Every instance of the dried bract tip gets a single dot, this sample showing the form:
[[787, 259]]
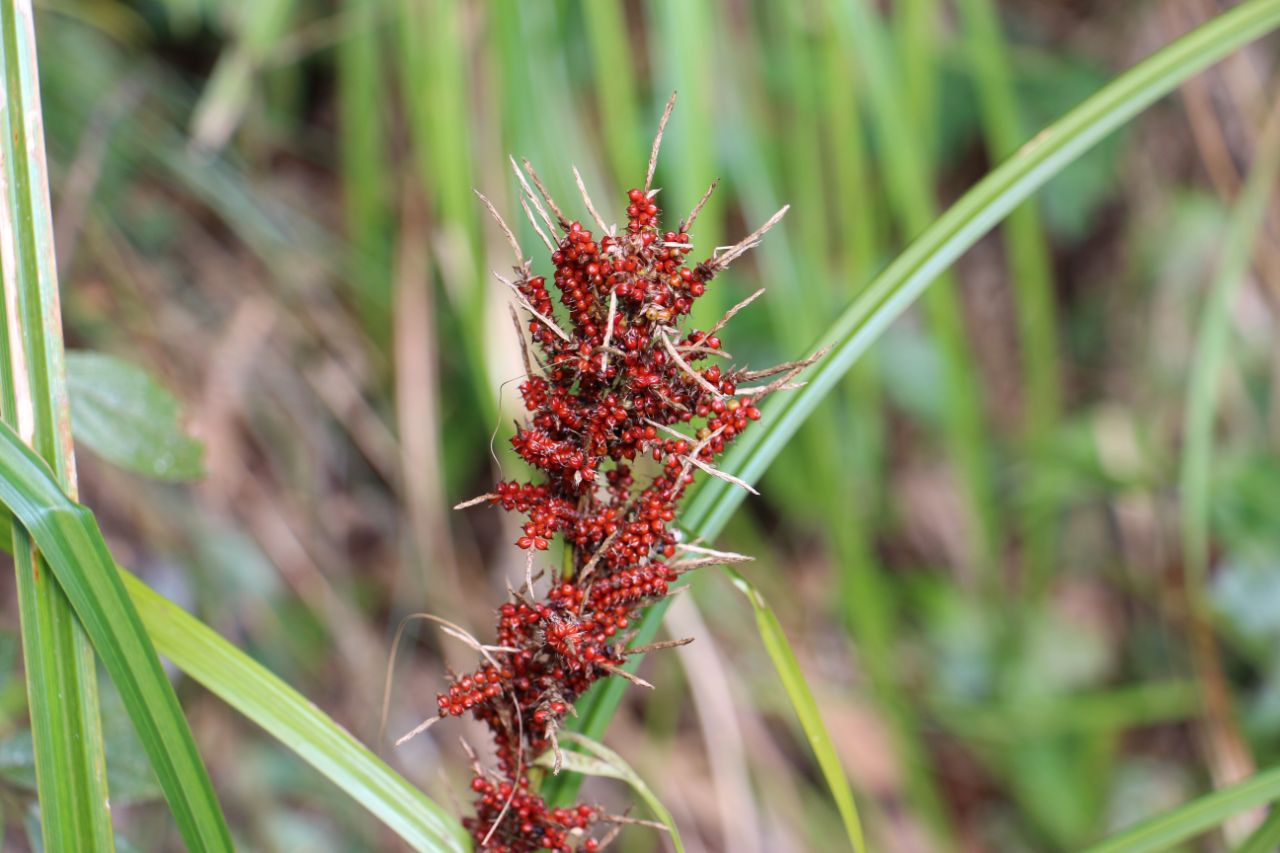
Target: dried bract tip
[[480, 499], [428, 723], [664, 644], [586, 198], [657, 141], [697, 208], [546, 196], [748, 243], [528, 194], [497, 217]]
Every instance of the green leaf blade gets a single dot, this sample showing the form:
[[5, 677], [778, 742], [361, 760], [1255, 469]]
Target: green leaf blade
[[900, 283], [1165, 830], [61, 680], [69, 770], [69, 539], [251, 689], [603, 761], [960, 227], [806, 707], [1211, 352], [129, 419], [1029, 266]]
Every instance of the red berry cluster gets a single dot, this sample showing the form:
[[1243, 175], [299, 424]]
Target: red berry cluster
[[536, 826], [623, 407]]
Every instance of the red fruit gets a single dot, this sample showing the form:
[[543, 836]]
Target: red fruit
[[593, 405]]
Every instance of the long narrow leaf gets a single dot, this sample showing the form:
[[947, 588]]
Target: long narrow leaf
[[909, 185], [806, 708], [230, 674], [365, 184], [900, 283], [615, 87], [68, 537], [967, 221], [1189, 820], [1211, 353], [61, 679], [868, 604], [66, 728], [290, 718], [1030, 272], [603, 761]]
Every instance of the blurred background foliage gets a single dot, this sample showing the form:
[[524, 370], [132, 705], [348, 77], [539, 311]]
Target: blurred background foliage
[[975, 547]]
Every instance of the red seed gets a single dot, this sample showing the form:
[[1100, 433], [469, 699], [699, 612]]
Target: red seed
[[585, 424]]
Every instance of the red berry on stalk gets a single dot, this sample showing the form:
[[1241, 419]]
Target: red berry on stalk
[[612, 380]]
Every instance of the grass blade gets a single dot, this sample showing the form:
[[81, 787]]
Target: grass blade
[[61, 678], [962, 225], [292, 719], [1029, 271], [909, 176], [62, 695], [1207, 367], [902, 281], [686, 40], [615, 89], [1211, 352], [915, 27], [62, 682], [436, 85], [867, 599], [1266, 838], [806, 708], [68, 537], [1190, 819], [365, 184], [603, 761]]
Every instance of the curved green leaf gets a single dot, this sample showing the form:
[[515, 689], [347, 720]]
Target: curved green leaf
[[902, 281], [69, 540], [1201, 407], [229, 673], [605, 762], [60, 673], [966, 222], [1189, 820], [290, 718], [806, 708]]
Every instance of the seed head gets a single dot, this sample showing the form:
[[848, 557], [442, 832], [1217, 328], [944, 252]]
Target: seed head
[[624, 404]]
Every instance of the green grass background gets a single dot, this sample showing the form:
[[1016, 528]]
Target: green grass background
[[976, 547]]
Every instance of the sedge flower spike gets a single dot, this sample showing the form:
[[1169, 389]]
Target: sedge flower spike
[[625, 405]]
